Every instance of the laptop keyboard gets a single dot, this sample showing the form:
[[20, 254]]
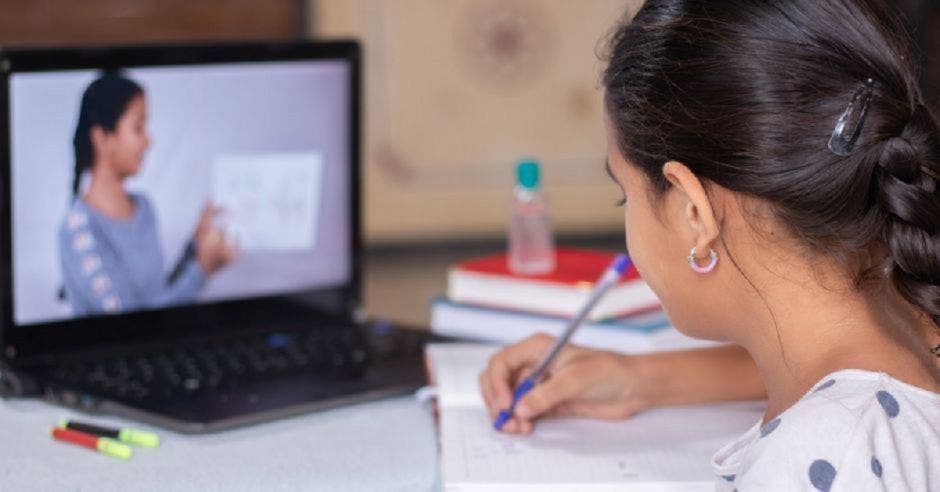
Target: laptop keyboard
[[156, 375]]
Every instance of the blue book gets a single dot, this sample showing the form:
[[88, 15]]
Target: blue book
[[639, 333]]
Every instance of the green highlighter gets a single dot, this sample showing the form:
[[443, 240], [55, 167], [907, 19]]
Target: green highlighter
[[127, 435]]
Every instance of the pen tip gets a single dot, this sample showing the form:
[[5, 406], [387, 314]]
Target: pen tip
[[501, 420]]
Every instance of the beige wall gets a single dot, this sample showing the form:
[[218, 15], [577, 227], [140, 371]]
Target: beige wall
[[456, 91]]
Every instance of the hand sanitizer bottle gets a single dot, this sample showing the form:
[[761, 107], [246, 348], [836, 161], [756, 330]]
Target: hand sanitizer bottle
[[531, 245]]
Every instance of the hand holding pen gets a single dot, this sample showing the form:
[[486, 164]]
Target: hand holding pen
[[607, 280]]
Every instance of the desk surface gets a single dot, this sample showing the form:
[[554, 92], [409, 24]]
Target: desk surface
[[385, 445]]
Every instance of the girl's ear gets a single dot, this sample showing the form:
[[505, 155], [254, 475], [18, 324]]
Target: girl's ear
[[699, 212], [98, 138]]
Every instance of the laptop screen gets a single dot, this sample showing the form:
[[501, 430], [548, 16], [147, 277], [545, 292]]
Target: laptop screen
[[146, 188]]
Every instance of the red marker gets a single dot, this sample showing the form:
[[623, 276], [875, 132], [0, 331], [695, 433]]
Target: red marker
[[103, 445]]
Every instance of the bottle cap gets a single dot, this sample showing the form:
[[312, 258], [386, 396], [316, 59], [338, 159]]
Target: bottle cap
[[527, 174]]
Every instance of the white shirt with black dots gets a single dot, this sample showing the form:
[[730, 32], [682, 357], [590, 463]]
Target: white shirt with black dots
[[854, 431]]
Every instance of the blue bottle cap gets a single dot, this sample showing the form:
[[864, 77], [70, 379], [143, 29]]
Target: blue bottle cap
[[527, 174]]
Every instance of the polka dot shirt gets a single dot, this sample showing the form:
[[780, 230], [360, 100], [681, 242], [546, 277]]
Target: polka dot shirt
[[854, 431]]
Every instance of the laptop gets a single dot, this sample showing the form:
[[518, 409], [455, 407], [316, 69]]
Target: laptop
[[181, 234]]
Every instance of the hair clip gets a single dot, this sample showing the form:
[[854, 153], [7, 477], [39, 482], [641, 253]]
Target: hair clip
[[842, 141]]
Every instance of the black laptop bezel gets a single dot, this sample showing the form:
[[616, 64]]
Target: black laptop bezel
[[46, 341]]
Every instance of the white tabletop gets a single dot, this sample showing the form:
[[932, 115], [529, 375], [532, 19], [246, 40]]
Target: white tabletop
[[386, 445]]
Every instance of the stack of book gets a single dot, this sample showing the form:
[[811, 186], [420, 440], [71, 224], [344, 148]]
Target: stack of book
[[487, 302]]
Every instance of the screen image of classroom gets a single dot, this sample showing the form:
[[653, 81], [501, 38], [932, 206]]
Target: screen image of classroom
[[266, 144]]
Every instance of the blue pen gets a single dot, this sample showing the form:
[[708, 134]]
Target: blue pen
[[607, 280]]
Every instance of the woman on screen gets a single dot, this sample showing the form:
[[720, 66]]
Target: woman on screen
[[109, 243]]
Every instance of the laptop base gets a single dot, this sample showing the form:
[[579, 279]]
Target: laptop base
[[395, 365]]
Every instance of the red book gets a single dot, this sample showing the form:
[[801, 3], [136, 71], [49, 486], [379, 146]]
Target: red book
[[487, 281]]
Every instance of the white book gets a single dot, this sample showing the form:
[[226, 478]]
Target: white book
[[639, 333], [656, 450]]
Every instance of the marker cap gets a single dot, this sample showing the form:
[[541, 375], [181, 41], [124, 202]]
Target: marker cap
[[139, 438], [113, 448]]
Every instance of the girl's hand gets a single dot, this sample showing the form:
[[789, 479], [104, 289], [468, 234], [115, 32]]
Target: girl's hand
[[212, 252], [580, 382]]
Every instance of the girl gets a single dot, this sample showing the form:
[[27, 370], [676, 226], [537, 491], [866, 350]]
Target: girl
[[780, 174], [109, 244]]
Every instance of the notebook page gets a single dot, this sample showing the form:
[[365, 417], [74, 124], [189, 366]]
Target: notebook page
[[664, 449], [456, 368]]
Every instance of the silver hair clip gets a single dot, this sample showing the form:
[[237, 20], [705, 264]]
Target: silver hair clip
[[845, 136]]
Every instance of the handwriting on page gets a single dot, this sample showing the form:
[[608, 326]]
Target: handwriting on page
[[270, 202], [565, 451], [657, 450]]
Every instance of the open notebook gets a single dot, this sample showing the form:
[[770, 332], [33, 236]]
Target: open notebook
[[665, 449]]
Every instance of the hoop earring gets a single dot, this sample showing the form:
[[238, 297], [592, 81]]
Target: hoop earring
[[713, 260]]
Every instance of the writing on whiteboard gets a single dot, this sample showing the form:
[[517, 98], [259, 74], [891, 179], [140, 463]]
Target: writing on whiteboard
[[269, 202]]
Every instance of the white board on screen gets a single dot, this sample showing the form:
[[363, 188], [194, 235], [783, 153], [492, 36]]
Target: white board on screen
[[270, 202]]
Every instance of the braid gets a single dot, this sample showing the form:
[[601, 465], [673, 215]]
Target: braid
[[709, 85], [908, 192]]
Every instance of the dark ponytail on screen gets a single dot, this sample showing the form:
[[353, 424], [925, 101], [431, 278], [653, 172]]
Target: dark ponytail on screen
[[103, 103], [747, 93]]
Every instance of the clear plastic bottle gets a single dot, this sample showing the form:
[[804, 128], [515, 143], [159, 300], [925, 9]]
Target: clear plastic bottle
[[531, 244]]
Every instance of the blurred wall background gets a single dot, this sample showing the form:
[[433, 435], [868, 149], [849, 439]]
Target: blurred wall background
[[458, 91], [455, 92]]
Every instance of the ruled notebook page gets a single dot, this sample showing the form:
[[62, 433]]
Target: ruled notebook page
[[665, 449]]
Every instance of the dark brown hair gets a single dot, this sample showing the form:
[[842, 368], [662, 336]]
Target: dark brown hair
[[747, 94], [103, 103]]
